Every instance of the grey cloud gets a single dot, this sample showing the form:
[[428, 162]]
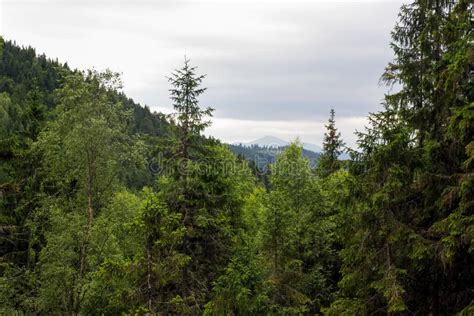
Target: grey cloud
[[267, 61]]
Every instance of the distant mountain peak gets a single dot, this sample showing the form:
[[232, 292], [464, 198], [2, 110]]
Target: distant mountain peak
[[269, 141]]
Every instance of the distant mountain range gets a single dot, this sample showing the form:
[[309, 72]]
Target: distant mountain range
[[272, 141], [261, 156]]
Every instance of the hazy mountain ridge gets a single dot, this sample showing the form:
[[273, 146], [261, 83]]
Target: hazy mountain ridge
[[311, 151], [264, 155]]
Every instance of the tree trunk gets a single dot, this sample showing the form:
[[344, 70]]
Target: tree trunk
[[148, 278], [87, 233]]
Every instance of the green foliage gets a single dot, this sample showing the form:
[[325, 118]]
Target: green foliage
[[205, 186], [161, 261], [87, 142], [83, 151], [242, 289], [28, 98], [209, 195], [296, 237], [114, 245], [410, 231]]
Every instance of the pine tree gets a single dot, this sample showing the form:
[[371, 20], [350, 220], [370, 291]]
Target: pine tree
[[332, 148]]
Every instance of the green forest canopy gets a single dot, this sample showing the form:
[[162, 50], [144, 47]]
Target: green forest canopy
[[107, 208]]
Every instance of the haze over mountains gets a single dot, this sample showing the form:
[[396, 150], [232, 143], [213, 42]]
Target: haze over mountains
[[272, 141]]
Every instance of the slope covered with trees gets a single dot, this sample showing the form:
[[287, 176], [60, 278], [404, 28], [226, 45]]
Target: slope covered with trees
[[108, 209]]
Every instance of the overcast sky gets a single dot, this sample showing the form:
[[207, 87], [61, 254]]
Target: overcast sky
[[273, 67]]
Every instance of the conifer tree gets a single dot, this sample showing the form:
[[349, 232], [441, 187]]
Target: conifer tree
[[412, 229], [203, 189], [162, 261], [332, 148], [190, 117], [297, 233]]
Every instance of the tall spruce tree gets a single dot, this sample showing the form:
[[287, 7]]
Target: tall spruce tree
[[332, 148], [190, 117], [411, 245], [207, 186]]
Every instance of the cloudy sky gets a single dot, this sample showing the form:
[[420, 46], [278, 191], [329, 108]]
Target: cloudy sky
[[273, 67]]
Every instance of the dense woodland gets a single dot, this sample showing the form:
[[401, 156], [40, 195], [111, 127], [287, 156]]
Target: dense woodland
[[109, 209]]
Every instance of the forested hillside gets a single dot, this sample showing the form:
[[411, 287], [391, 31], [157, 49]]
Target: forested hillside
[[260, 158], [109, 209], [30, 81]]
